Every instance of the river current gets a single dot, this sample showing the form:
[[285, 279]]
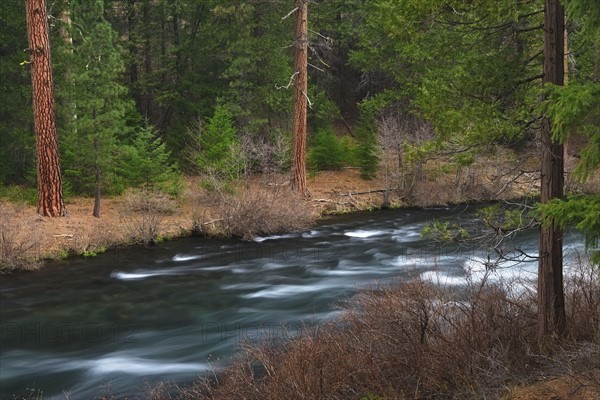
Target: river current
[[131, 317]]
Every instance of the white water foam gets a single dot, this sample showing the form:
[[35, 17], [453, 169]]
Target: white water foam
[[282, 291], [260, 239], [362, 234], [129, 276], [181, 258], [141, 366]]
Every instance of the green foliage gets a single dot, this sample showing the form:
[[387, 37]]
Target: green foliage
[[581, 210], [94, 253], [501, 219], [17, 141], [146, 163], [586, 12], [576, 108], [329, 152], [367, 156], [371, 396], [18, 194], [219, 153], [444, 231], [464, 68], [324, 111], [93, 109]]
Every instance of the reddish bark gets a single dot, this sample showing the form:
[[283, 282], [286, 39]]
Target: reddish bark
[[300, 99], [50, 195]]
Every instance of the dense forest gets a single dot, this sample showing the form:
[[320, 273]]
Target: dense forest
[[147, 76], [147, 90]]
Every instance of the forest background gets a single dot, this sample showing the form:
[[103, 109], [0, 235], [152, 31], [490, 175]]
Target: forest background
[[148, 90]]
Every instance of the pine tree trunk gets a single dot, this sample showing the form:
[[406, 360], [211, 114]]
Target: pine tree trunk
[[50, 195], [551, 303], [300, 99]]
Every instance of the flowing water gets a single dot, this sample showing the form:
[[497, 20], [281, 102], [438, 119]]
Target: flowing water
[[128, 318]]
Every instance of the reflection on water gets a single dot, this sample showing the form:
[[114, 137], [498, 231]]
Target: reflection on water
[[172, 312]]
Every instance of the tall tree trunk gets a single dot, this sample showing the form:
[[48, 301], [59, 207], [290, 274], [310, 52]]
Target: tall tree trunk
[[147, 100], [68, 102], [96, 212], [551, 302], [300, 98], [132, 39], [50, 194]]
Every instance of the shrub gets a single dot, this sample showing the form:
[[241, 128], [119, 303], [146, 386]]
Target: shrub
[[19, 250], [219, 153], [143, 213], [146, 164], [328, 152], [19, 194], [262, 211]]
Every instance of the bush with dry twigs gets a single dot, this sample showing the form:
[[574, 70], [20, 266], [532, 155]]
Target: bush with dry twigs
[[259, 211], [143, 214], [19, 250]]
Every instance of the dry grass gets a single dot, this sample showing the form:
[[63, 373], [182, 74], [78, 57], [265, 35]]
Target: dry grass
[[416, 340], [19, 249], [143, 214], [259, 211]]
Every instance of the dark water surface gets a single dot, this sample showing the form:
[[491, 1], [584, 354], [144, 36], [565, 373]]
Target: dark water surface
[[130, 317]]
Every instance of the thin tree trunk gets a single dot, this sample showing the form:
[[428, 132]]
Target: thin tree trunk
[[96, 212], [68, 102], [147, 102], [300, 99], [50, 194], [551, 302], [133, 53]]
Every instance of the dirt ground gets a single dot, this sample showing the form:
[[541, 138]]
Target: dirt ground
[[79, 232]]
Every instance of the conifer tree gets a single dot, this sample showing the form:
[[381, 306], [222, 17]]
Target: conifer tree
[[92, 134]]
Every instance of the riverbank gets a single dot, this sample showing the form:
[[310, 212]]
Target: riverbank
[[141, 217], [490, 352]]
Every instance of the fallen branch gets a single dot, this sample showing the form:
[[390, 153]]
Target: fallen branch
[[340, 203], [350, 194]]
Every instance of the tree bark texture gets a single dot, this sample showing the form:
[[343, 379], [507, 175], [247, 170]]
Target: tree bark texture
[[50, 195], [300, 98], [551, 303]]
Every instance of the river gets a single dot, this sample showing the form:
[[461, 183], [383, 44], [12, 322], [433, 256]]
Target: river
[[131, 317]]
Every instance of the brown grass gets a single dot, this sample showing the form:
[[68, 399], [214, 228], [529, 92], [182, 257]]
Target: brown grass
[[415, 340], [143, 214], [19, 249], [262, 211]]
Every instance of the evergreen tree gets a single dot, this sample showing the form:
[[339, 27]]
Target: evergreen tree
[[218, 143], [146, 162], [95, 108]]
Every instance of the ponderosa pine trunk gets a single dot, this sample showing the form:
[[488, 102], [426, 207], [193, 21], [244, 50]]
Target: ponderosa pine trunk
[[50, 194], [551, 302], [300, 98]]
